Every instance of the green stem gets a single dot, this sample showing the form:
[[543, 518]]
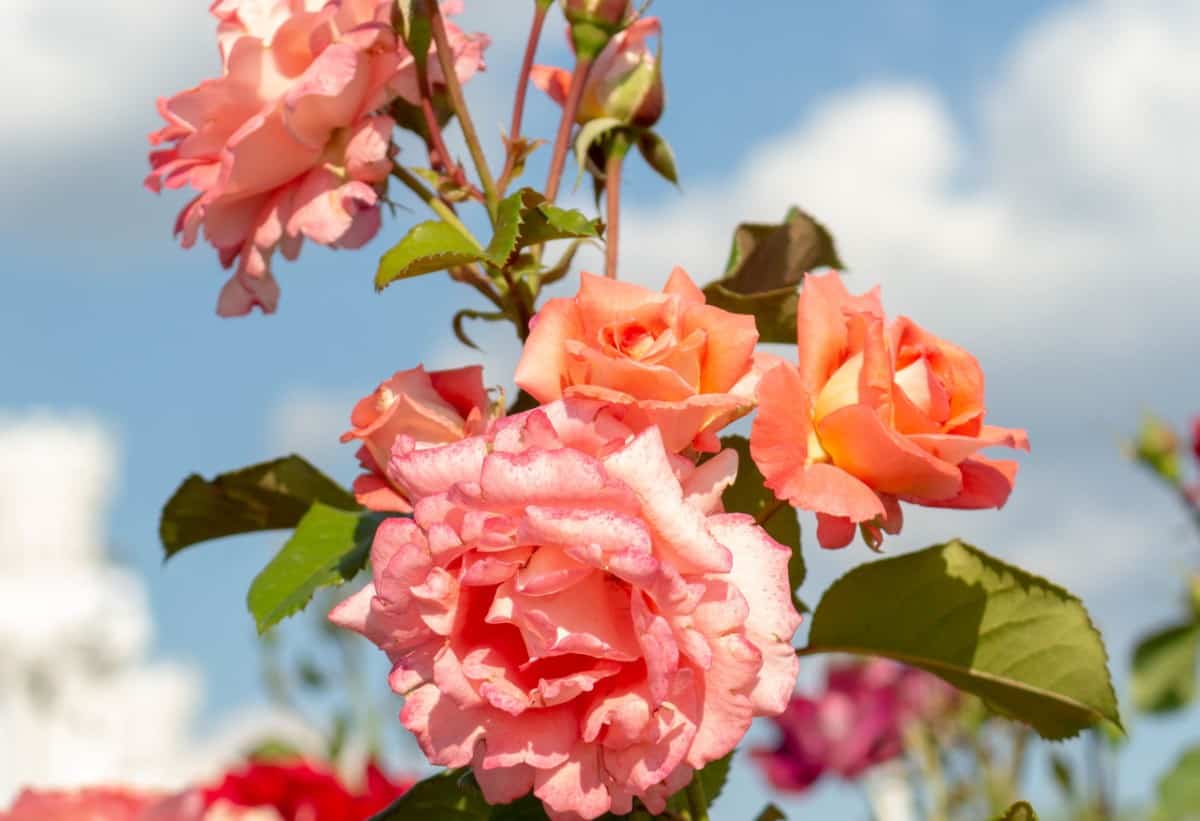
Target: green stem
[[612, 187], [439, 207], [697, 800], [514, 132], [558, 160], [770, 512], [446, 59]]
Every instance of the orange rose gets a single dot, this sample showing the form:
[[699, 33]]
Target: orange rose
[[432, 408], [669, 359], [874, 415]]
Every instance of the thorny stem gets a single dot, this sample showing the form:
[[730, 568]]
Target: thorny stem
[[518, 114], [446, 59], [470, 275], [439, 207], [612, 188], [558, 160]]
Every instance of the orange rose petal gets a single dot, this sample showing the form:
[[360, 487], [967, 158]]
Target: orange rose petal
[[544, 360], [987, 483], [859, 443]]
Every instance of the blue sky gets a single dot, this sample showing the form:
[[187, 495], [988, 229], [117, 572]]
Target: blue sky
[[1017, 175]]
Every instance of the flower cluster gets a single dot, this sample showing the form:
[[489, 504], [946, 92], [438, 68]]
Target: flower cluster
[[874, 414], [259, 791], [857, 722], [570, 611], [293, 140]]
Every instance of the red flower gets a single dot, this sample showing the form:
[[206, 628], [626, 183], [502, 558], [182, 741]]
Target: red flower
[[300, 791]]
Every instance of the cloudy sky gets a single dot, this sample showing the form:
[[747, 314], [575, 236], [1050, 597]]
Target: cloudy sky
[[1018, 176]]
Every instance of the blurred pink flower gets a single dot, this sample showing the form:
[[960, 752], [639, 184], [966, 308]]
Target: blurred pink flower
[[569, 612], [291, 141], [856, 723], [431, 408]]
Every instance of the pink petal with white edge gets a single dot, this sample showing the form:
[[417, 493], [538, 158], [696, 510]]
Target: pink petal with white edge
[[760, 572], [703, 488]]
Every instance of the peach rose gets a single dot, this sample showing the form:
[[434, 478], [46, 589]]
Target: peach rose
[[429, 408], [875, 415], [672, 360], [290, 143], [569, 612]]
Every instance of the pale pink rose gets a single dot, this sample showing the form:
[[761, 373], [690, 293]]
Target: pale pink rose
[[569, 612], [429, 408], [121, 804], [672, 360], [292, 142]]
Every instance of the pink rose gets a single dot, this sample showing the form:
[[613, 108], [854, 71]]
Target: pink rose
[[875, 414], [856, 723], [625, 82], [429, 408], [119, 804], [291, 142], [672, 360], [570, 612]]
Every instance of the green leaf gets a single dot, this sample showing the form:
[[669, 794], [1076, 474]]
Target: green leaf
[[774, 311], [329, 548], [657, 152], [416, 29], [268, 496], [1164, 669], [1024, 645], [427, 247], [767, 257], [748, 495], [1179, 790], [548, 222], [509, 217], [451, 795], [713, 776], [1021, 811], [771, 813], [526, 808]]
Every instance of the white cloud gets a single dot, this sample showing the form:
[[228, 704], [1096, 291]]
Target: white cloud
[[80, 700], [1078, 202]]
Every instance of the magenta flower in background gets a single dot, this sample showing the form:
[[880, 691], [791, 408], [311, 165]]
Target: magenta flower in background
[[856, 723]]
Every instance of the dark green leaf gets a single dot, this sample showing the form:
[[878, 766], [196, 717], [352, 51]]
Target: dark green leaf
[[329, 548], [748, 495], [1024, 645], [416, 29], [771, 813], [1179, 790], [448, 796], [768, 257], [1020, 811], [774, 311], [528, 808], [713, 776], [658, 154], [268, 496], [1164, 669], [427, 247]]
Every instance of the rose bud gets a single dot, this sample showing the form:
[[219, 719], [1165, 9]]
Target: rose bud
[[609, 15]]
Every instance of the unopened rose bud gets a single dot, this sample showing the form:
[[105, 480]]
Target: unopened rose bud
[[607, 14], [1157, 447], [626, 81]]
